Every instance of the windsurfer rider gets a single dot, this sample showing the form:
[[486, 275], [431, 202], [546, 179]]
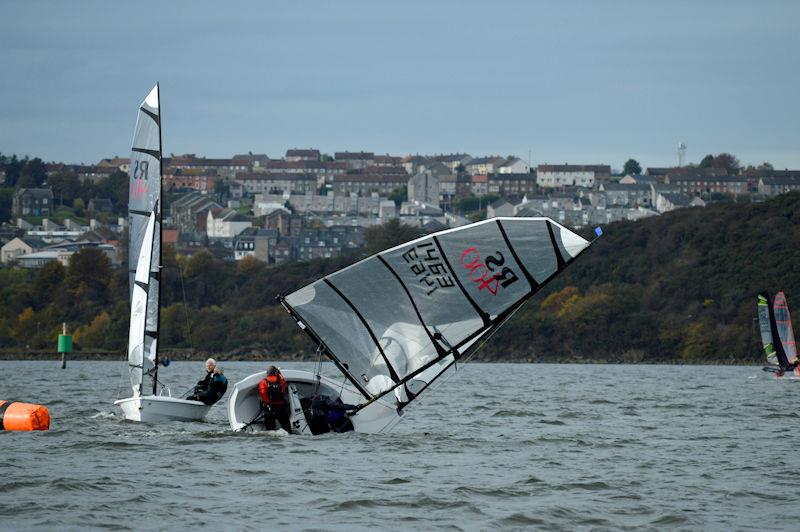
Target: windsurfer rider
[[272, 390]]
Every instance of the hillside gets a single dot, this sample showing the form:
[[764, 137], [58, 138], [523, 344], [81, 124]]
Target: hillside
[[680, 287]]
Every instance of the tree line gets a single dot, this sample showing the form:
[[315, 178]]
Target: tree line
[[678, 287]]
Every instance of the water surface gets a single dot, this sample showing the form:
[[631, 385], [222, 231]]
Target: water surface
[[496, 446]]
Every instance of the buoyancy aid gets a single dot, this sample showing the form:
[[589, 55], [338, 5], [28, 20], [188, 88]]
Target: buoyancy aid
[[273, 390]]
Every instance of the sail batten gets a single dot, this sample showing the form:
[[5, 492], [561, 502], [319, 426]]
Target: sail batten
[[395, 319]]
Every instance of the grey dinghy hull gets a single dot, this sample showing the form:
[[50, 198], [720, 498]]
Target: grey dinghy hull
[[244, 403]]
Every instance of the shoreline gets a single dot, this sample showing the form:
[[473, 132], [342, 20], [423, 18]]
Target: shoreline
[[265, 356]]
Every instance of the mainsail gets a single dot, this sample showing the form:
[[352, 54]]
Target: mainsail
[[783, 322], [143, 206], [396, 321]]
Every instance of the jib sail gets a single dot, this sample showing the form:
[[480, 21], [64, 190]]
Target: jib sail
[[140, 356], [397, 320]]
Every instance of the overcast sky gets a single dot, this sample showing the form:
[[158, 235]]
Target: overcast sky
[[577, 82]]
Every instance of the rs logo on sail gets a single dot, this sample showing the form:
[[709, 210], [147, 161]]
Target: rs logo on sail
[[139, 181], [485, 273]]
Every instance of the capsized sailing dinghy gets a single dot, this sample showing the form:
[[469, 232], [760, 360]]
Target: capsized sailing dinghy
[[777, 335], [395, 322], [144, 260]]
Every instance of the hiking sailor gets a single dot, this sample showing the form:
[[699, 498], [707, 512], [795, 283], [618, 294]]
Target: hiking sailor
[[204, 384], [272, 390]]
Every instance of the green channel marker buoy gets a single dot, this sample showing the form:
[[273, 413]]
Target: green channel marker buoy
[[64, 345]]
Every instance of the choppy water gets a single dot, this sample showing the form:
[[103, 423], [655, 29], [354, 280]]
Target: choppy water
[[497, 446]]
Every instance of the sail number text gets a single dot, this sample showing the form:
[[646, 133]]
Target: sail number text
[[488, 273]]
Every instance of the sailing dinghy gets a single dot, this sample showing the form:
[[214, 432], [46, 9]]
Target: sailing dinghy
[[395, 322], [150, 400], [777, 335]]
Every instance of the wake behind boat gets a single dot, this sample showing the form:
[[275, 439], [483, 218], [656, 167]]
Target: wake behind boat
[[777, 336], [151, 400], [397, 321]]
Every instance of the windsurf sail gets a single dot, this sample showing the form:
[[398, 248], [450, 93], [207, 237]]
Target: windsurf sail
[[783, 322], [394, 322], [770, 339], [143, 209]]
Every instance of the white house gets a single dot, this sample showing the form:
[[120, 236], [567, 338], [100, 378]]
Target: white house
[[571, 175], [226, 224], [514, 165]]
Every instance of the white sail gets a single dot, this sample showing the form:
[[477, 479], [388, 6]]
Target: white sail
[[138, 356], [144, 199], [394, 322]]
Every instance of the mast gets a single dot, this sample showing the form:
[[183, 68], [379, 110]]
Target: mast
[[159, 218]]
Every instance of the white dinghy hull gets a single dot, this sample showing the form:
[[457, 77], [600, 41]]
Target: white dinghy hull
[[155, 408], [244, 403]]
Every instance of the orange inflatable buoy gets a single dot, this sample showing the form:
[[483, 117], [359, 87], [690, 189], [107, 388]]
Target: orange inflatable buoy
[[23, 416]]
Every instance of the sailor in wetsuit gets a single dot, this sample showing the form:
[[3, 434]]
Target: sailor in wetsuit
[[216, 388], [203, 384], [272, 390], [327, 415]]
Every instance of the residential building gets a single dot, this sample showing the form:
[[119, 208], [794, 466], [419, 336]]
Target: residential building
[[277, 183], [484, 165], [512, 185], [499, 208], [780, 184], [120, 163], [295, 155], [698, 184], [513, 165], [190, 213], [571, 175], [669, 201], [479, 184], [257, 243], [364, 184], [424, 187], [18, 247], [355, 160], [226, 223], [617, 194], [191, 179], [33, 202], [328, 242]]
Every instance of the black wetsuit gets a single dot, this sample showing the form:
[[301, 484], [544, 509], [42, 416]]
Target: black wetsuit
[[202, 387], [216, 389], [327, 415]]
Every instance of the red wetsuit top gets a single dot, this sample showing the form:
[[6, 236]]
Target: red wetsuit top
[[273, 390]]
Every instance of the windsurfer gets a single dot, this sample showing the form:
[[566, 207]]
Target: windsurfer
[[272, 390]]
